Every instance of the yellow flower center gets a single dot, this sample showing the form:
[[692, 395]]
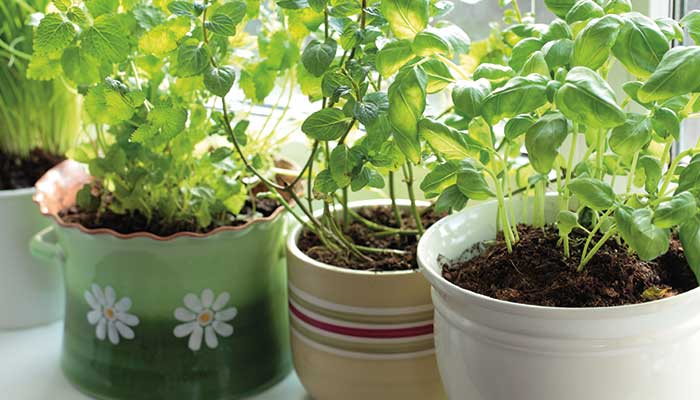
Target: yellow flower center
[[205, 317], [109, 313]]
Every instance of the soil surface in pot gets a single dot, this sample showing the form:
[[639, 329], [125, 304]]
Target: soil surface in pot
[[361, 235], [20, 173], [537, 272], [139, 223]]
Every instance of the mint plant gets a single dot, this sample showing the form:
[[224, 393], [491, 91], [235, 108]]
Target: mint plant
[[149, 73], [370, 65], [545, 85]]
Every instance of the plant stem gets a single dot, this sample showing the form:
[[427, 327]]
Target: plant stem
[[597, 247], [392, 194], [518, 14], [601, 153], [570, 165], [595, 230], [509, 191], [456, 68], [538, 219], [633, 168], [672, 170], [502, 212], [408, 175]]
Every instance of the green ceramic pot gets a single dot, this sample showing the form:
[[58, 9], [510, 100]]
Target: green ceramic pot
[[185, 317]]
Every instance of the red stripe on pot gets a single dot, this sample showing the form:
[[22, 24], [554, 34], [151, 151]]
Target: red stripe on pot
[[383, 333]]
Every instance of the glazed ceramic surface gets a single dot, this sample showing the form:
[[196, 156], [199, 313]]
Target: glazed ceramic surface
[[494, 350], [183, 318], [31, 293], [361, 335]]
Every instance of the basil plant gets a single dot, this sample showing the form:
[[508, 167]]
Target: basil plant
[[369, 67], [149, 72], [544, 85]]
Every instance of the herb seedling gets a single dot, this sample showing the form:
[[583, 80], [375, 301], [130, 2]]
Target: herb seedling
[[371, 65], [149, 72], [547, 85]]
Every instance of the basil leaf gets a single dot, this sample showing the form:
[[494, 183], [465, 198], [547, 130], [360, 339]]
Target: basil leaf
[[681, 208], [676, 75], [518, 96], [641, 45], [592, 45], [446, 141], [406, 106], [393, 56], [593, 193], [467, 97], [406, 17], [640, 234], [543, 140], [690, 238], [586, 98], [632, 136]]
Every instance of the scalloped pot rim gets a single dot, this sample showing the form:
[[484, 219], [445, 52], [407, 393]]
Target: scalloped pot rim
[[295, 232], [69, 176]]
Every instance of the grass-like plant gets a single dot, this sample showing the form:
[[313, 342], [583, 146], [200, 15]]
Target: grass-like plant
[[33, 114], [550, 87]]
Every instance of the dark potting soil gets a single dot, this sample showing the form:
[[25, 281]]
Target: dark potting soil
[[537, 273], [361, 235], [137, 222], [20, 173]]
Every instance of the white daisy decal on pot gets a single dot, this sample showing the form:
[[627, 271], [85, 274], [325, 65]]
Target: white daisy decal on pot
[[204, 318], [109, 315]]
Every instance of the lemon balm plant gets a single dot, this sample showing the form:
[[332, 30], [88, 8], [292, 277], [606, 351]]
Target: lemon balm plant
[[149, 74], [172, 251]]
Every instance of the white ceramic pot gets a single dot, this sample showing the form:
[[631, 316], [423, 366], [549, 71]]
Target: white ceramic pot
[[31, 293], [489, 349], [361, 335]]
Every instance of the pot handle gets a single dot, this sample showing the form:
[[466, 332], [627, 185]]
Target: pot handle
[[45, 247]]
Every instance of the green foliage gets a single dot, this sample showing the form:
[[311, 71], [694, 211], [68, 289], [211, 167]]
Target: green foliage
[[53, 127], [547, 86], [148, 73]]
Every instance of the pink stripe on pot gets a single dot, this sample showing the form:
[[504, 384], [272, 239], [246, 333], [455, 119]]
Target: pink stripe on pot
[[382, 333]]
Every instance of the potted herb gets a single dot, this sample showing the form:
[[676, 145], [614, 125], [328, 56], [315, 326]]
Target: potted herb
[[582, 292], [33, 139], [172, 252], [361, 315]]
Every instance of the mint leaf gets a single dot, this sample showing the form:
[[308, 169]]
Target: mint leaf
[[219, 80], [235, 10], [192, 58], [53, 34], [221, 24], [317, 56], [326, 124]]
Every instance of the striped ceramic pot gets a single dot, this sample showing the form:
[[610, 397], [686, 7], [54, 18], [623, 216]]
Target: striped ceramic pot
[[358, 334]]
